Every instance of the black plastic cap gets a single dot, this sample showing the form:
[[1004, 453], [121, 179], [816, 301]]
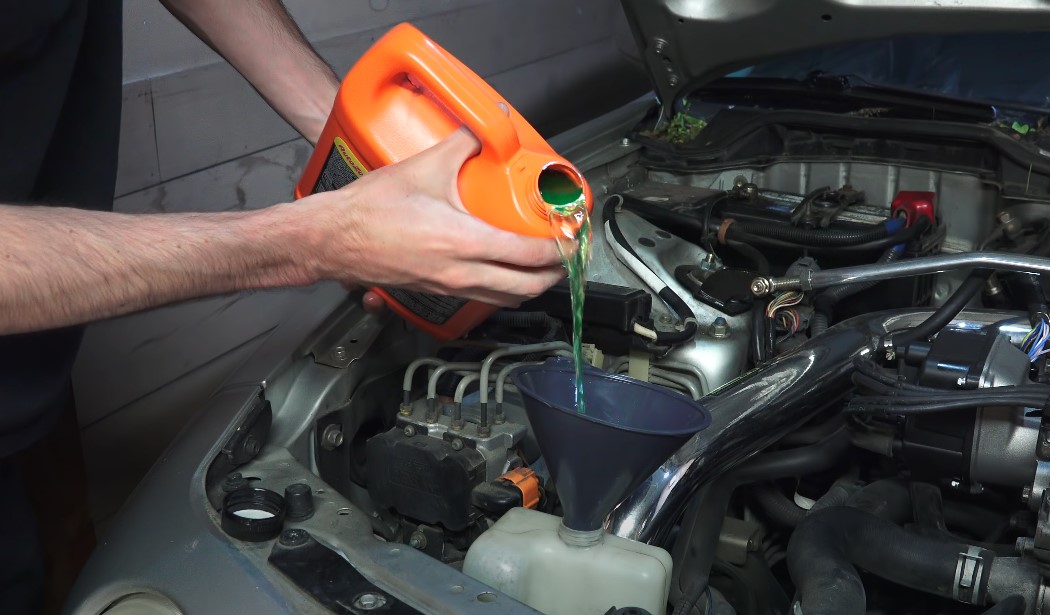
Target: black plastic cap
[[252, 514], [596, 459], [298, 501]]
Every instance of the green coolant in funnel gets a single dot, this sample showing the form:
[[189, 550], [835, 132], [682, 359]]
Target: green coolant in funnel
[[572, 230]]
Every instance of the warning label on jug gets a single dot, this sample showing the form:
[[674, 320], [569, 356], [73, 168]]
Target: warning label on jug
[[435, 309], [341, 168]]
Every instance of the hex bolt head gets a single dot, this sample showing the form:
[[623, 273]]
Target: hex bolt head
[[234, 482], [760, 287], [457, 444], [410, 430], [332, 438], [417, 540], [370, 601], [294, 537], [251, 446], [719, 328]]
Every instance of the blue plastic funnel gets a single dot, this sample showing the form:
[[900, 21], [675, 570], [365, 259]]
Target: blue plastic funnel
[[596, 459]]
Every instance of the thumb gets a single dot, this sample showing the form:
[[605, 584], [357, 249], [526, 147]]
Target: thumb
[[457, 148]]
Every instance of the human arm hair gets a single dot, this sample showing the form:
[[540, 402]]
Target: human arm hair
[[262, 41]]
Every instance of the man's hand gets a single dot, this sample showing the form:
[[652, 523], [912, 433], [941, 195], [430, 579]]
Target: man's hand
[[401, 225], [405, 226]]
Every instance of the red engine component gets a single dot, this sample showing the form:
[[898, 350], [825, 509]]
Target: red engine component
[[915, 204]]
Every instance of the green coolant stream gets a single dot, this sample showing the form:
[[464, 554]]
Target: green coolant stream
[[571, 225]]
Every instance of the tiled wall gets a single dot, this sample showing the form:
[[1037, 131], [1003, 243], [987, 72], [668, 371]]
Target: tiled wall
[[196, 137]]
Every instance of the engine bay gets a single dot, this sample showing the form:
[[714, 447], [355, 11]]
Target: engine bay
[[873, 447]]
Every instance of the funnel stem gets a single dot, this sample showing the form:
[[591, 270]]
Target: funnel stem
[[579, 538]]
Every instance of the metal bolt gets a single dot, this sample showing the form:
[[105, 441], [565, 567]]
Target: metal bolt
[[410, 430], [458, 424], [891, 354], [672, 80], [659, 45], [457, 444], [332, 438], [294, 538], [1026, 494], [1005, 217], [339, 353], [499, 418], [666, 319], [484, 431], [625, 142], [720, 328], [405, 409], [370, 601], [760, 287], [417, 540], [234, 482], [251, 446]]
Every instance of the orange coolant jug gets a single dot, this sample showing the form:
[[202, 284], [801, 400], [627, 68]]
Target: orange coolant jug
[[406, 94]]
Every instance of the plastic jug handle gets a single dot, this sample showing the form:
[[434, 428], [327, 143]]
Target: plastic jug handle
[[465, 99]]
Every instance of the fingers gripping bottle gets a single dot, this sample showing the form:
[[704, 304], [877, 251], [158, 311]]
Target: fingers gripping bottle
[[406, 94]]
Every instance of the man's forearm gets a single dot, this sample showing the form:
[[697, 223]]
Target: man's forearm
[[63, 266], [262, 42]]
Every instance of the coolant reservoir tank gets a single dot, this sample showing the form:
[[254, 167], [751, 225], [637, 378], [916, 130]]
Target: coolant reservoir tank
[[524, 556]]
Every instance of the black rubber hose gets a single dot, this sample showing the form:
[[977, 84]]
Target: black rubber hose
[[1011, 605], [1029, 287], [778, 506], [828, 544], [981, 523], [664, 218], [784, 511], [892, 405], [814, 433], [759, 260], [698, 540], [824, 303], [673, 301], [903, 236], [795, 461], [944, 314], [827, 238], [887, 499], [759, 324]]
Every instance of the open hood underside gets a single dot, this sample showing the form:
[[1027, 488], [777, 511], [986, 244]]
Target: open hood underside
[[687, 43]]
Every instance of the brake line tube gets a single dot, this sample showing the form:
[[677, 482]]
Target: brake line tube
[[1000, 261], [486, 368]]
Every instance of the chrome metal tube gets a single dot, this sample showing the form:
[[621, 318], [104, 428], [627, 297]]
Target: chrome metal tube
[[902, 269], [753, 412]]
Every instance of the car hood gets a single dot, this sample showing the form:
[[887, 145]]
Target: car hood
[[688, 43]]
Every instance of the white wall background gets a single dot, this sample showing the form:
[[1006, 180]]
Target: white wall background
[[195, 137]]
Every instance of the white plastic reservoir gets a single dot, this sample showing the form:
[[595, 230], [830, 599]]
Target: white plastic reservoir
[[523, 556]]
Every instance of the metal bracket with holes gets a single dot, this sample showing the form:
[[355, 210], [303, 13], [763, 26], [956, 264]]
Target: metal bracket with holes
[[329, 578]]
